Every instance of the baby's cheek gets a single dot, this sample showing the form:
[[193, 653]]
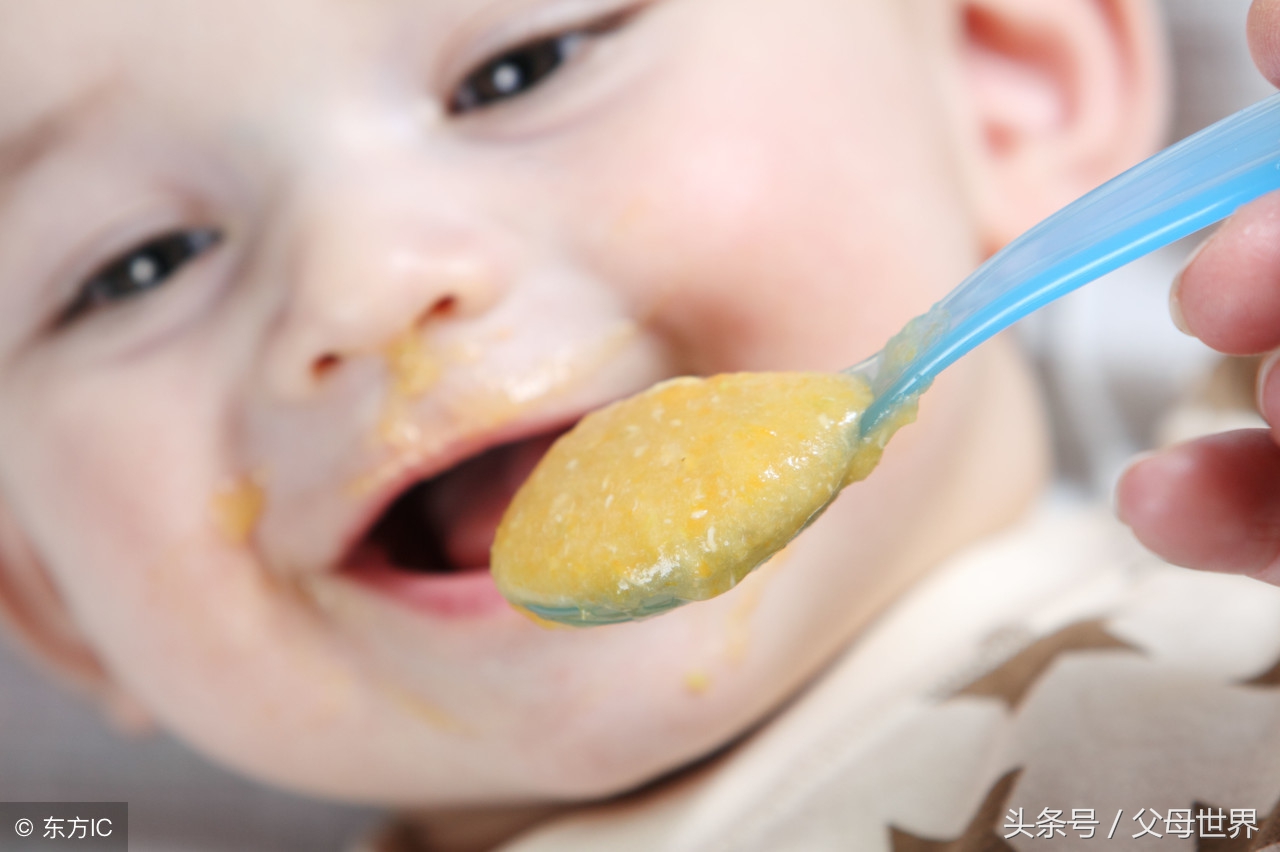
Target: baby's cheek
[[120, 485], [757, 241], [712, 255]]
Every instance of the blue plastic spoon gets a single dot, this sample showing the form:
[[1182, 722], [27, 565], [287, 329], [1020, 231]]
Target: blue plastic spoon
[[1188, 186]]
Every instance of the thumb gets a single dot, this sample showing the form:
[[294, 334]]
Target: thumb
[[1264, 38]]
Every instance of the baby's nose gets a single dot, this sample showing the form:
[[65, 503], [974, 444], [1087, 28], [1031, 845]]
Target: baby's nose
[[364, 274]]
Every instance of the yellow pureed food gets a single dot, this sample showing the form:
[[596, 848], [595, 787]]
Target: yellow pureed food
[[675, 494]]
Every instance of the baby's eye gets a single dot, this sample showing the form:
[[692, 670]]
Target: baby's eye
[[516, 71], [513, 73], [144, 267]]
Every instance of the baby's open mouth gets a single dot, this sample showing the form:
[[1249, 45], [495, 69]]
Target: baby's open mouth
[[444, 525]]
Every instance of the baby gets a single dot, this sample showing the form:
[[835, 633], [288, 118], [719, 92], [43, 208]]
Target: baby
[[295, 294]]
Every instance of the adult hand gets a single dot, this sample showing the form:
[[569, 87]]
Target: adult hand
[[1214, 503]]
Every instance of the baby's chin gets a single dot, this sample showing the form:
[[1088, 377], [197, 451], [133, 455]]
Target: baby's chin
[[340, 691], [525, 713]]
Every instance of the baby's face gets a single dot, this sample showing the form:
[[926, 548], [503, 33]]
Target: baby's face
[[292, 296]]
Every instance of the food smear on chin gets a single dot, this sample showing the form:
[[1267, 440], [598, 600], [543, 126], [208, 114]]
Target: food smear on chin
[[675, 494]]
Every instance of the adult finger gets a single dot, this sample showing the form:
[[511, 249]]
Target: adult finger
[[1228, 295], [1264, 38], [1212, 503]]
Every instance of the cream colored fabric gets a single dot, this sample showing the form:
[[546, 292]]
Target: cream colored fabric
[[1059, 667]]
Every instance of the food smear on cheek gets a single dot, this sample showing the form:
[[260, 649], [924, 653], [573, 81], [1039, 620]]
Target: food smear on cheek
[[236, 509], [675, 494], [697, 682]]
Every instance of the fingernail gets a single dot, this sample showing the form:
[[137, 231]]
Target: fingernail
[[1260, 386], [1175, 308], [1175, 290], [1115, 492]]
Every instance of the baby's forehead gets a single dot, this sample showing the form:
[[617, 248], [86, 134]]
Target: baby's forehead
[[67, 57]]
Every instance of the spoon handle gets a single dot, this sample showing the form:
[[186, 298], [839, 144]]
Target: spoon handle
[[1186, 187]]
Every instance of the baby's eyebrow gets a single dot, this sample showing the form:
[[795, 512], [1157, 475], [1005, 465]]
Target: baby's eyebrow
[[21, 150]]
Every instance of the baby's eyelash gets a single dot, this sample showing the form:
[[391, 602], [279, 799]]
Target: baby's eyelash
[[513, 73], [145, 267], [521, 68]]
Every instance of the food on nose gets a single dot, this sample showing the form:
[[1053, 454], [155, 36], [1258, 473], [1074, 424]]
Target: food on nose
[[413, 370], [675, 494]]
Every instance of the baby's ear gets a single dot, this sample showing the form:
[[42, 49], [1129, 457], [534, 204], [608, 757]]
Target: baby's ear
[[1055, 97], [38, 617]]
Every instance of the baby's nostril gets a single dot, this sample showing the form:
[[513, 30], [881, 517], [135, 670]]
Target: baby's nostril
[[442, 307], [324, 365]]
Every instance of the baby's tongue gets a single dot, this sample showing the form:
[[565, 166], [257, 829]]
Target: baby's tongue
[[463, 506]]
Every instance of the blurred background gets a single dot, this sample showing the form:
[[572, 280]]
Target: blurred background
[[1114, 367], [1119, 376]]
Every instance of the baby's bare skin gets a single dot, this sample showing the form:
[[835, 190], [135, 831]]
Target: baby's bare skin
[[276, 194]]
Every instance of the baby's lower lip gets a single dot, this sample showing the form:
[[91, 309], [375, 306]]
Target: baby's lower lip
[[455, 595]]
